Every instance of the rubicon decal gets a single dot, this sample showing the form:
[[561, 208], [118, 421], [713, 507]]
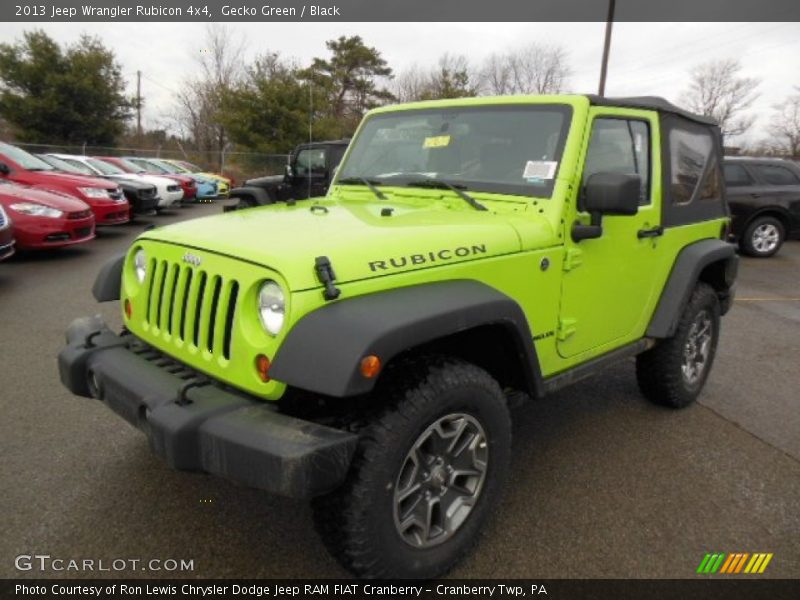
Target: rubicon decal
[[428, 257], [735, 563]]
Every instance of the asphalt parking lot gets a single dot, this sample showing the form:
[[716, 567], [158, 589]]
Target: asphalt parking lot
[[604, 484]]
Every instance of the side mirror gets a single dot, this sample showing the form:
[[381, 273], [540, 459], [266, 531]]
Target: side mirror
[[607, 194], [4, 170]]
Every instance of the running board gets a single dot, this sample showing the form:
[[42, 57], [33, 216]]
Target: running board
[[587, 369]]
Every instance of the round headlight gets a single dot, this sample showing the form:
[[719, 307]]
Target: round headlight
[[140, 264], [271, 307]]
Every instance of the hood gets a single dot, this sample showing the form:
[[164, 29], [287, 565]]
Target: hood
[[58, 178], [150, 180], [128, 183], [266, 180], [359, 242], [11, 194]]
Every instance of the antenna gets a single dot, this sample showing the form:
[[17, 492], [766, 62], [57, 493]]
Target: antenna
[[310, 123]]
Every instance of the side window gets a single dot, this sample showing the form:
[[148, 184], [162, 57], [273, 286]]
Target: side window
[[775, 175], [736, 176], [620, 146], [691, 157], [310, 161]]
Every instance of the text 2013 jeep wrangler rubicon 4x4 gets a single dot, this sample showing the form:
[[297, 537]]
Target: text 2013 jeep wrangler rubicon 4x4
[[361, 348]]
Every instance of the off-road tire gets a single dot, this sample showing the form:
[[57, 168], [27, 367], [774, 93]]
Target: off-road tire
[[659, 371], [357, 521], [749, 244]]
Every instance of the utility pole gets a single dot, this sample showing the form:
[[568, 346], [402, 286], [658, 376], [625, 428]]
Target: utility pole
[[606, 48], [139, 108]]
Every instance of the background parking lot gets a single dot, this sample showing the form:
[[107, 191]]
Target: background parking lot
[[603, 484]]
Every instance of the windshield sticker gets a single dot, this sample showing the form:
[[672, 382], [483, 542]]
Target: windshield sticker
[[438, 141], [539, 169]]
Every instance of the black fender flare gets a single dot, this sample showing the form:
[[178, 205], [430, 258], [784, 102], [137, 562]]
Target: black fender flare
[[260, 196], [108, 283], [689, 264], [323, 351]]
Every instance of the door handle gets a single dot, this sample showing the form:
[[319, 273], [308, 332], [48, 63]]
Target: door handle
[[755, 195], [650, 233]]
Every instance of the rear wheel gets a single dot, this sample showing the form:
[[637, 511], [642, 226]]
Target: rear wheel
[[674, 372], [428, 470], [763, 237]]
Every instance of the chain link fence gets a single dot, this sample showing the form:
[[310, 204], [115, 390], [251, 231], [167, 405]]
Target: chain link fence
[[238, 165]]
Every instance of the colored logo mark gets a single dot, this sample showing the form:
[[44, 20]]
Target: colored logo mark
[[734, 563]]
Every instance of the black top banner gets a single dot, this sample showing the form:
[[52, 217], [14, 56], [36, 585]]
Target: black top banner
[[399, 10]]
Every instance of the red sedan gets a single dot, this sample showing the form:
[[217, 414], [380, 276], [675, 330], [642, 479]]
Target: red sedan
[[105, 198], [45, 219], [6, 235]]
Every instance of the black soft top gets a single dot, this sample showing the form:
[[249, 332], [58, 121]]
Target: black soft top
[[650, 103]]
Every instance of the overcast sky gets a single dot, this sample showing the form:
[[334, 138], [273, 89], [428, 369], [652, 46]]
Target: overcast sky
[[646, 58]]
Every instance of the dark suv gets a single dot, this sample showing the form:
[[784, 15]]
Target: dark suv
[[764, 198]]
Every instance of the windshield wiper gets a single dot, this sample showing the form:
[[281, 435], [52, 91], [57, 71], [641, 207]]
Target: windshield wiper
[[432, 182], [364, 181]]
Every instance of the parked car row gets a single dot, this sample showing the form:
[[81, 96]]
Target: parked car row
[[53, 200]]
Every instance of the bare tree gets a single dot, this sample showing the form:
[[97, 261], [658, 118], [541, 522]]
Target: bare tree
[[200, 97], [717, 90], [411, 84], [532, 69], [452, 77], [785, 125]]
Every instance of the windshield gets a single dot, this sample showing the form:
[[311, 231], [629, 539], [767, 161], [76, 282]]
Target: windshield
[[146, 165], [62, 165], [165, 166], [130, 166], [509, 149], [104, 167], [23, 159], [180, 167]]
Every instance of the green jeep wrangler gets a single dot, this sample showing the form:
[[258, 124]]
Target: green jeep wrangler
[[362, 348]]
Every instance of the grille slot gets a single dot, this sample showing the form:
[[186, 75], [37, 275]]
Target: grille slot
[[192, 306]]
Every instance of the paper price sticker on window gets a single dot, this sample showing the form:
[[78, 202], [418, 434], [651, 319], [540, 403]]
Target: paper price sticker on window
[[438, 141], [540, 169]]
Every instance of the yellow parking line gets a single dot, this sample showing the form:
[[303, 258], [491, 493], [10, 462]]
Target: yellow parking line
[[767, 299]]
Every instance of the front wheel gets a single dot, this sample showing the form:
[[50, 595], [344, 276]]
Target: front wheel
[[427, 473], [674, 372], [763, 237]]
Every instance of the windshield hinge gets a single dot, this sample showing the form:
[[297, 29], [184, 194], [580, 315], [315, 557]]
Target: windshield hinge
[[326, 276], [566, 327], [573, 258]]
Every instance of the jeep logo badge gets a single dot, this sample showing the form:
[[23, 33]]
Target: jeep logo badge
[[191, 259]]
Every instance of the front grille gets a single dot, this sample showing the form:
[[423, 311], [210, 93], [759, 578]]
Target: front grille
[[2, 218], [81, 214], [147, 194], [192, 306], [82, 232]]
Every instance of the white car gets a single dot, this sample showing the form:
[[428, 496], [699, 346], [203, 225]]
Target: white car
[[169, 191]]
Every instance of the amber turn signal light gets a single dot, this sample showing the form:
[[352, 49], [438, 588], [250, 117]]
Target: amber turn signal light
[[262, 367], [370, 366], [128, 308]]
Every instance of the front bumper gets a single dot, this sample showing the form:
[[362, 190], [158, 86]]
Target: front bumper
[[144, 205], [207, 428]]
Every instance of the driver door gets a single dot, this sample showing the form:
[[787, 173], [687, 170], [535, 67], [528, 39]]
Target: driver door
[[609, 283]]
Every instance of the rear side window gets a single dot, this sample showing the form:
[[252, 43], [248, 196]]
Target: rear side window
[[695, 173], [776, 175], [620, 146], [737, 176]]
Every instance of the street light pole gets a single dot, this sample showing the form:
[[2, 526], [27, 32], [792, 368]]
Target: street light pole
[[606, 47]]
